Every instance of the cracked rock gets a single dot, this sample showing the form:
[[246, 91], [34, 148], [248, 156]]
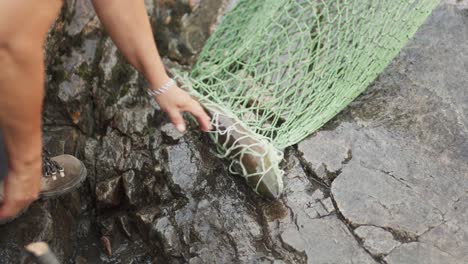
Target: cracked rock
[[131, 187], [108, 193], [183, 166], [376, 240], [134, 120], [451, 236], [328, 205], [318, 195], [84, 17], [408, 136], [166, 231], [325, 153], [111, 156], [170, 133], [420, 253], [184, 28], [316, 237], [371, 197]]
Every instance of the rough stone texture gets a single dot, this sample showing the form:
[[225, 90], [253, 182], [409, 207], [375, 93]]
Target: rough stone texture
[[325, 240], [376, 240], [325, 159], [307, 226], [184, 26], [170, 133], [96, 108], [419, 253], [399, 152], [42, 221], [108, 193], [385, 182]]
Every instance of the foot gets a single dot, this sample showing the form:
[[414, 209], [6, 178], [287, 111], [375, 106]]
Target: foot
[[60, 175]]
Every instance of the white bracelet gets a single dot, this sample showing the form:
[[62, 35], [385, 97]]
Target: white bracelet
[[163, 88]]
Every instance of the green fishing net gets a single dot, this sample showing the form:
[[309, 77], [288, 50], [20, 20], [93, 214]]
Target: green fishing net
[[275, 71]]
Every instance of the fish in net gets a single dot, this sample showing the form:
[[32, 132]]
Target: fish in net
[[274, 72]]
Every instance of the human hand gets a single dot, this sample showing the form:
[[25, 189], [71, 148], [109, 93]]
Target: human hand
[[21, 187], [175, 101]]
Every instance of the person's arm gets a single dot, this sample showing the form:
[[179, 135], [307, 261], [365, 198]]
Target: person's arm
[[128, 25]]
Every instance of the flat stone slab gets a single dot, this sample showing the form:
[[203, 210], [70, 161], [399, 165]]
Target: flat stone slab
[[377, 240], [325, 240], [421, 253], [400, 150]]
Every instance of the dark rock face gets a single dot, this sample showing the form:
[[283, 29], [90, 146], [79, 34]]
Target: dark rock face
[[192, 21], [385, 182]]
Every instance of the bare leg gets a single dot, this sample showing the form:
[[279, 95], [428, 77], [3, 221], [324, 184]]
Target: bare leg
[[23, 29]]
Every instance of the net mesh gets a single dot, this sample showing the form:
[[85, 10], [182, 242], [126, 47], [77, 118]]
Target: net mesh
[[281, 69]]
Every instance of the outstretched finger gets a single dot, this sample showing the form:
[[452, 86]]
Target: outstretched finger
[[202, 117], [177, 120]]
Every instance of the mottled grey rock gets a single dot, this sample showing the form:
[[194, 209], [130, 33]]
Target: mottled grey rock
[[407, 136], [89, 153], [59, 140], [325, 154], [301, 197], [43, 221], [108, 59], [72, 73], [139, 160], [305, 227], [420, 253], [171, 133], [299, 193], [376, 240], [125, 224], [147, 215], [322, 173], [84, 17], [134, 120], [317, 195], [81, 59], [452, 235], [460, 4], [131, 188], [111, 156], [183, 166], [276, 261], [184, 26], [215, 221], [108, 192], [69, 90], [195, 260], [168, 235], [73, 94], [325, 240], [328, 205], [371, 197]]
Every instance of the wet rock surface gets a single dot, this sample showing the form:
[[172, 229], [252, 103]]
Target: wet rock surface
[[397, 156], [386, 181]]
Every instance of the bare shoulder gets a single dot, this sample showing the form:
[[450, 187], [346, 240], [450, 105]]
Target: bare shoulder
[[31, 17]]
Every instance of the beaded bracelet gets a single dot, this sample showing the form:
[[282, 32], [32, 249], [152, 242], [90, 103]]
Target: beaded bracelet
[[163, 88]]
